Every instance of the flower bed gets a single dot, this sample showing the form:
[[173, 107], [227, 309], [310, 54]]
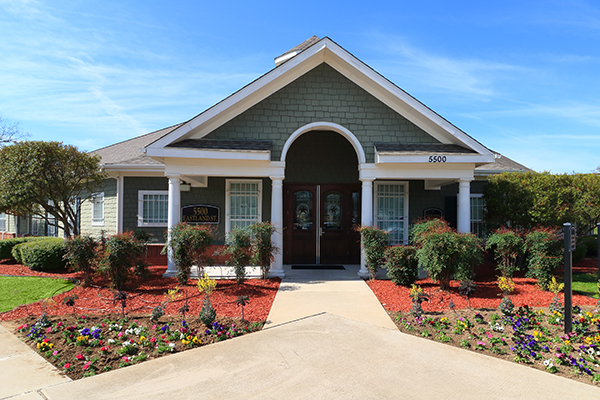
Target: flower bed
[[120, 332], [531, 336], [88, 345]]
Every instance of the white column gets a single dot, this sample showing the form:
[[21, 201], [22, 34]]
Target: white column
[[277, 220], [464, 206], [120, 197], [173, 218], [366, 220]]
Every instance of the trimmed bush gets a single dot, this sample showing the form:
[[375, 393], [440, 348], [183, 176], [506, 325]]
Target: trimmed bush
[[263, 249], [446, 254], [544, 254], [579, 253], [41, 255], [121, 256], [189, 244], [80, 255], [591, 243], [402, 264], [238, 247], [374, 241], [508, 246], [6, 245]]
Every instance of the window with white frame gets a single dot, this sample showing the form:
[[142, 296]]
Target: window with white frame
[[2, 222], [477, 207], [153, 207], [37, 225], [391, 210], [97, 201], [243, 203]]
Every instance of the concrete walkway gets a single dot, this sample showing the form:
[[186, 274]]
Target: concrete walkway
[[314, 353], [304, 293]]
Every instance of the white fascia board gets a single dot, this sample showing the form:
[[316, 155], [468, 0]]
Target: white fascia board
[[242, 168], [416, 171], [398, 100], [383, 158], [248, 96], [111, 168], [262, 155]]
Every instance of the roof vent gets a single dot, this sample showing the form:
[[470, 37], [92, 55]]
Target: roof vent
[[296, 50]]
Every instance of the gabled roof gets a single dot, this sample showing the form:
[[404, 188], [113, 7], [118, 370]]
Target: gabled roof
[[129, 152], [313, 54]]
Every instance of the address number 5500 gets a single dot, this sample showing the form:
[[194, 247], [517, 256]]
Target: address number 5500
[[437, 159]]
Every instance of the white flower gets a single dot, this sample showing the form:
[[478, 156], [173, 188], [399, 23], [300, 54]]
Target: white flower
[[171, 345], [111, 341]]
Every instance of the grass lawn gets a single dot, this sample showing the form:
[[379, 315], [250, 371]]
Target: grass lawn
[[17, 290], [586, 284]]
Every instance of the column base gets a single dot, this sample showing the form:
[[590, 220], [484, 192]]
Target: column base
[[364, 274], [277, 273]]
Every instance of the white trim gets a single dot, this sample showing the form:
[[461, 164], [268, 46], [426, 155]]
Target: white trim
[[262, 155], [435, 171], [328, 126], [228, 183], [383, 158], [93, 202], [405, 217], [140, 215]]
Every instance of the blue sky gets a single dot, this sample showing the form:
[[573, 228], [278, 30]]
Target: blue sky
[[522, 77]]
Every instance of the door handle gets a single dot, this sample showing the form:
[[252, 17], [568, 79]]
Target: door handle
[[320, 231]]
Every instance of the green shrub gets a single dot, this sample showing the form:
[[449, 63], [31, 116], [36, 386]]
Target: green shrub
[[263, 250], [374, 242], [446, 254], [188, 244], [402, 264], [579, 253], [591, 243], [238, 248], [121, 255], [544, 254], [81, 255], [41, 255], [508, 245], [6, 245]]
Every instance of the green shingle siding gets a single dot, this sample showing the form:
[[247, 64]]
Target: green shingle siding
[[322, 94]]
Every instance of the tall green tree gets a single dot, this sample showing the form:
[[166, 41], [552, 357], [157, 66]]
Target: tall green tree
[[529, 199], [45, 179]]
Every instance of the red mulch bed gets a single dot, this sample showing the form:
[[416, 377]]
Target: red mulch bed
[[145, 294], [487, 295]]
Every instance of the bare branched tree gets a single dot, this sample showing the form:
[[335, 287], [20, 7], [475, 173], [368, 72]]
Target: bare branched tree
[[9, 133]]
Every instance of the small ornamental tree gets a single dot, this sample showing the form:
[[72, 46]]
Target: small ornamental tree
[[544, 255], [189, 244], [45, 178], [508, 246], [238, 248], [374, 242], [263, 249], [81, 254]]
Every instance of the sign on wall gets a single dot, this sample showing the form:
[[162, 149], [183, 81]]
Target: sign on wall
[[200, 214]]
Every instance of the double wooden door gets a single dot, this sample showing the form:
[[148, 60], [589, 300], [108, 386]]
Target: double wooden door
[[319, 222]]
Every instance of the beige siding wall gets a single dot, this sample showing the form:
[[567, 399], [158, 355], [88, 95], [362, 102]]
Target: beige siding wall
[[110, 211]]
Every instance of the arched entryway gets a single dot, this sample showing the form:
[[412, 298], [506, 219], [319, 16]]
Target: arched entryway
[[321, 200]]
